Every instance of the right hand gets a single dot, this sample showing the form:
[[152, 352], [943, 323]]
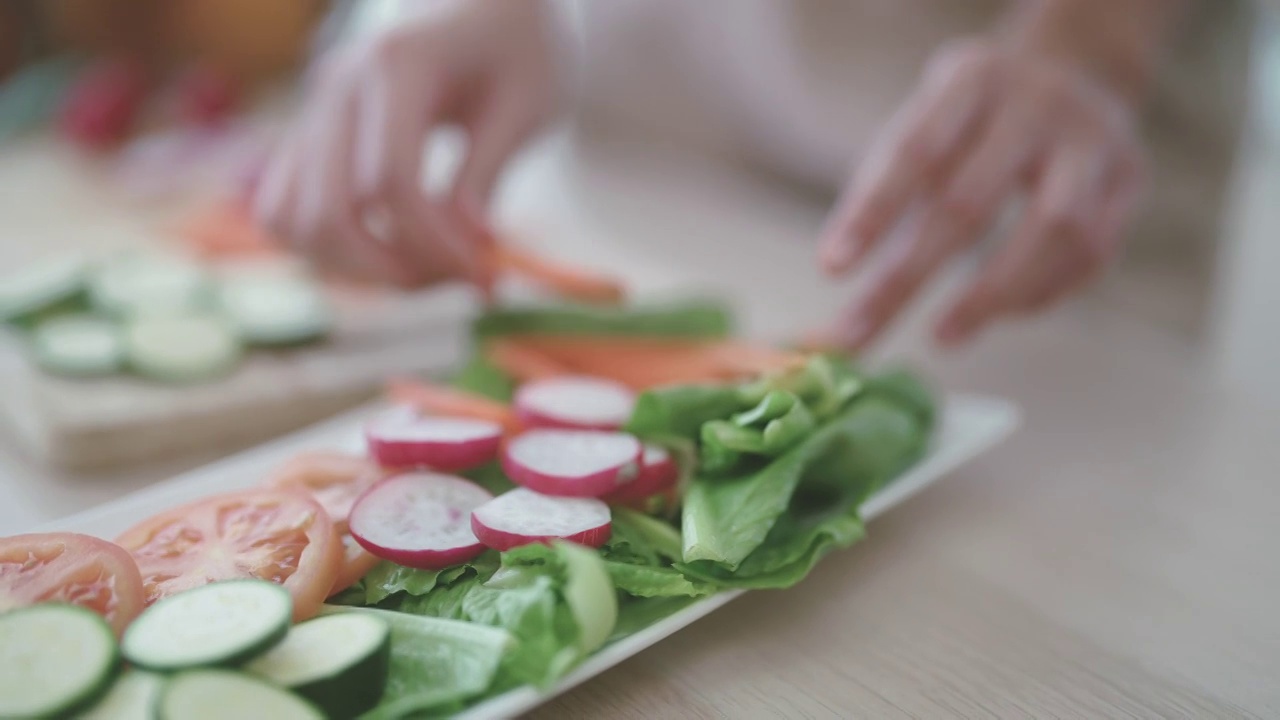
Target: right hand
[[345, 186]]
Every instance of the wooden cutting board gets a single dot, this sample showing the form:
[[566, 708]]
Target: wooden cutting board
[[100, 424]]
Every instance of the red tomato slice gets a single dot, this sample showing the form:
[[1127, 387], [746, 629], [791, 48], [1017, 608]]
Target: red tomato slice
[[276, 535], [70, 568], [334, 479], [356, 564]]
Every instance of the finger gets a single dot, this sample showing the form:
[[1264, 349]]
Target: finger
[[495, 133], [348, 246], [915, 260], [1052, 249], [990, 173], [391, 136], [274, 196], [919, 142]]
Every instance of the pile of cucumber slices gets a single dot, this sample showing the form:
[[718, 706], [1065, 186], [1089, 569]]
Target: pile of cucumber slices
[[157, 315], [224, 650]]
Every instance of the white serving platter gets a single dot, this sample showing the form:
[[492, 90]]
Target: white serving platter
[[969, 426]]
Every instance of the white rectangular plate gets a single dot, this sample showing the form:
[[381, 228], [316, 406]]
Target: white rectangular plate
[[969, 426]]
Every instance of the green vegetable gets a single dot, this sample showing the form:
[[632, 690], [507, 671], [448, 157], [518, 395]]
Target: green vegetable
[[388, 579], [680, 411], [636, 614], [54, 658], [638, 558], [42, 290], [436, 665], [479, 377], [768, 527], [699, 319]]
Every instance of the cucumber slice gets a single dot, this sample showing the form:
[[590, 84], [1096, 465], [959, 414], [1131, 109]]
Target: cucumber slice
[[182, 349], [276, 311], [221, 623], [141, 283], [53, 659], [132, 697], [338, 662], [41, 287], [229, 695], [78, 346]]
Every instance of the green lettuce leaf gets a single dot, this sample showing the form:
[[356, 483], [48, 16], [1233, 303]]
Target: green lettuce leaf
[[794, 509], [695, 319], [636, 614], [436, 665], [389, 580], [680, 411], [557, 601]]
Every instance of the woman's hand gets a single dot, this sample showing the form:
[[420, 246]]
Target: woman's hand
[[987, 124], [346, 187]]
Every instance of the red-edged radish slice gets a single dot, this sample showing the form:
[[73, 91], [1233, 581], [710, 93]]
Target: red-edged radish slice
[[572, 463], [402, 438], [522, 516], [584, 403], [419, 520], [658, 473]]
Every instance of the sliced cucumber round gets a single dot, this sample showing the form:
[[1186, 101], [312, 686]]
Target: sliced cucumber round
[[78, 346], [41, 287], [338, 662], [132, 697], [181, 349], [276, 311], [223, 623], [149, 283], [53, 659], [229, 695]]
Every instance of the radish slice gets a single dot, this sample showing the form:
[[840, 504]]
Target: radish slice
[[658, 473], [419, 520], [572, 463], [403, 438], [522, 516], [584, 403]]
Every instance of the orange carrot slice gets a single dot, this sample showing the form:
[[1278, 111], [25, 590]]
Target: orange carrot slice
[[441, 400], [569, 282]]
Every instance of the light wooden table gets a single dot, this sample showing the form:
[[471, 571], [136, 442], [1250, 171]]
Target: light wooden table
[[1117, 558]]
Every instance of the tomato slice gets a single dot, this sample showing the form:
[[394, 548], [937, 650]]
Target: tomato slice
[[334, 479], [70, 568], [276, 535], [356, 564]]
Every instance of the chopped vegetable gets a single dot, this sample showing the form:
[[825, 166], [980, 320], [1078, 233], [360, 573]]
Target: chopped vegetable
[[71, 568], [573, 463], [223, 623], [56, 658], [42, 288], [131, 697], [565, 281], [439, 400], [339, 662], [271, 534], [227, 695], [522, 516], [574, 402], [403, 438], [78, 346], [419, 519], [276, 311], [181, 349]]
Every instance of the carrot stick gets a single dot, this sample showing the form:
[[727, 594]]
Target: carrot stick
[[441, 400], [522, 362], [226, 230], [569, 282], [640, 363]]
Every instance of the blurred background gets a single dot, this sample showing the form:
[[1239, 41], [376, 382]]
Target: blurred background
[[136, 126]]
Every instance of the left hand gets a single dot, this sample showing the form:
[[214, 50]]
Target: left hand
[[986, 124]]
